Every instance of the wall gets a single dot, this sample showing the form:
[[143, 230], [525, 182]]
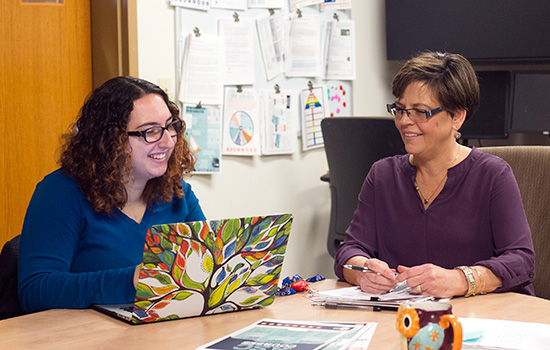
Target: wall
[[262, 185]]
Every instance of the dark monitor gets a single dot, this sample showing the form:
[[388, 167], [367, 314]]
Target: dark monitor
[[531, 102], [492, 119], [483, 30]]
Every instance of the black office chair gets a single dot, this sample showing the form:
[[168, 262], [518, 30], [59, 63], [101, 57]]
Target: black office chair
[[352, 145], [9, 297]]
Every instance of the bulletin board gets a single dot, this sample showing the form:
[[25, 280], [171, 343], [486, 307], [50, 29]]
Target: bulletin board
[[186, 20]]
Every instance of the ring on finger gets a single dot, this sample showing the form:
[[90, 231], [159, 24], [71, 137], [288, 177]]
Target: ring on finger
[[419, 289]]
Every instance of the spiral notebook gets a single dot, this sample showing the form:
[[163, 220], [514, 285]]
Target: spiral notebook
[[207, 267]]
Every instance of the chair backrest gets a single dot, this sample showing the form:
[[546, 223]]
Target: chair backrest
[[9, 297], [352, 145], [531, 166]]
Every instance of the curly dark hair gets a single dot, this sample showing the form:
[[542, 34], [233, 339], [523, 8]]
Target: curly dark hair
[[95, 150], [451, 77]]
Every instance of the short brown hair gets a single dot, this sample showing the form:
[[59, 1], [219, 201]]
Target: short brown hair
[[95, 150], [451, 78]]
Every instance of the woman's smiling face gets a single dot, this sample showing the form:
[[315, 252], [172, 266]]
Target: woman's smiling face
[[426, 137], [149, 160]]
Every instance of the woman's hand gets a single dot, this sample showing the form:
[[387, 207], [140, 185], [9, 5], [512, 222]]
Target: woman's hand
[[136, 275], [380, 280], [429, 279]]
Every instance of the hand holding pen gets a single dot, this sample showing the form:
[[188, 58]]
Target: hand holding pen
[[376, 277]]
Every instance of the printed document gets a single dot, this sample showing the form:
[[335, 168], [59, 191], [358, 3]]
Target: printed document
[[314, 103], [241, 129], [303, 47], [238, 42], [229, 4], [339, 50], [333, 5], [280, 116], [271, 34], [204, 133], [265, 4], [481, 333], [294, 4], [201, 79], [274, 334]]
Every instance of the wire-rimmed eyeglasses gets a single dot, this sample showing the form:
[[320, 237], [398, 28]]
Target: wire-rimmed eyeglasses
[[155, 133], [415, 114]]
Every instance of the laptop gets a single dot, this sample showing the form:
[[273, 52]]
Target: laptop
[[207, 267]]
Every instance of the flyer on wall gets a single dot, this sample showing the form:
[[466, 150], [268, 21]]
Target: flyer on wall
[[204, 134]]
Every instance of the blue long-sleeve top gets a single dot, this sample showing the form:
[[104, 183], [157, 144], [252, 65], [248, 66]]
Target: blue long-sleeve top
[[71, 256]]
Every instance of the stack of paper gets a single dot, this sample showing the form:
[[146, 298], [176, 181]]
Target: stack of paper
[[487, 334], [355, 297], [270, 334]]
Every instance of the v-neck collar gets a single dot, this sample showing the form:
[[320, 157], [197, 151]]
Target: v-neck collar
[[145, 220]]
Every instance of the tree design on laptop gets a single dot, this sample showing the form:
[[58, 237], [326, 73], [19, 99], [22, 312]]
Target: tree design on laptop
[[202, 268]]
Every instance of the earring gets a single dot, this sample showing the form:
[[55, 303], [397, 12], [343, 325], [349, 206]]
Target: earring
[[458, 135]]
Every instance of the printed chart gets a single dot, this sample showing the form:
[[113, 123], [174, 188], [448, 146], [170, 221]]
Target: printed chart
[[313, 111], [241, 128]]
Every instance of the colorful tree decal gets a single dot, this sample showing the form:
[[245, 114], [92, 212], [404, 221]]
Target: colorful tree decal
[[194, 269]]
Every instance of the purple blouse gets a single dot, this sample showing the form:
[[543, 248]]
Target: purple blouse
[[477, 219]]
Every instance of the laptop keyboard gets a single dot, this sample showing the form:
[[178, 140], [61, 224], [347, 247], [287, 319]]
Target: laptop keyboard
[[129, 308]]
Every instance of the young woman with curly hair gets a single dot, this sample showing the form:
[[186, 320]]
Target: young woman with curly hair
[[122, 165]]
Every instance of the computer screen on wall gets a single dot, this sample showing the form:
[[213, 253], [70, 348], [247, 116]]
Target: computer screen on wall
[[531, 102], [492, 119]]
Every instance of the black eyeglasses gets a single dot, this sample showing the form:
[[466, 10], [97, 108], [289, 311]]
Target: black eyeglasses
[[154, 133], [417, 115]]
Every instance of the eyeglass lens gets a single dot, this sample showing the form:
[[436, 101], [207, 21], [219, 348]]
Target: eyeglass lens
[[155, 133], [415, 114]]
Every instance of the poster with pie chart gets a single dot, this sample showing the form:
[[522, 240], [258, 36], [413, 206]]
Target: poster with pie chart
[[241, 133]]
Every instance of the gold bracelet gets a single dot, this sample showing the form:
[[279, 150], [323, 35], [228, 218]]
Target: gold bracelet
[[469, 278], [481, 281]]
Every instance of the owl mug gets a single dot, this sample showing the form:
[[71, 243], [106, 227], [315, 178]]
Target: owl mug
[[428, 325]]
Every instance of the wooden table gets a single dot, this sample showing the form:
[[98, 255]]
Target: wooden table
[[89, 329]]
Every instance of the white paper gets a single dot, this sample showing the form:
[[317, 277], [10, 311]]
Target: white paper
[[271, 34], [192, 4], [303, 47], [363, 341], [201, 79], [339, 50], [358, 339], [238, 42], [401, 292], [229, 4], [333, 5], [280, 113], [294, 4], [502, 334], [241, 127], [266, 4], [314, 104], [339, 101]]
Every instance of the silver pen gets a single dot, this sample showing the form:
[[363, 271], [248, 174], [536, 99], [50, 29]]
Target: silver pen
[[358, 268]]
